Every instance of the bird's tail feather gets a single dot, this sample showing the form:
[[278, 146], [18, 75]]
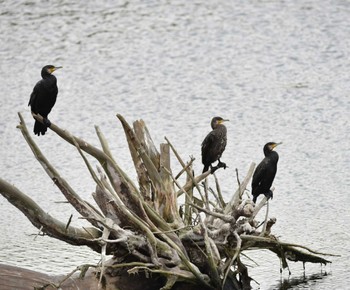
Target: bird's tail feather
[[39, 128], [206, 168]]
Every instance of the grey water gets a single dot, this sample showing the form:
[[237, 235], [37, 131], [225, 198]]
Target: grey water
[[279, 70]]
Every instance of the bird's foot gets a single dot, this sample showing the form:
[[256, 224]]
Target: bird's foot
[[269, 195], [46, 122], [221, 164]]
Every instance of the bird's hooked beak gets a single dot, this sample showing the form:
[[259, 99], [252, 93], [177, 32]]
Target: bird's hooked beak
[[55, 68], [275, 145], [223, 120]]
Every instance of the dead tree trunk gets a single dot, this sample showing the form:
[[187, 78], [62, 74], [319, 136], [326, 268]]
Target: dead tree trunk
[[170, 246]]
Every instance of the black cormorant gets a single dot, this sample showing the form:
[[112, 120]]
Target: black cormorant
[[265, 172], [214, 144], [43, 98]]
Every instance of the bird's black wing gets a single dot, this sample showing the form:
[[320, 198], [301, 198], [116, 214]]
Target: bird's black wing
[[207, 145], [34, 96], [259, 174]]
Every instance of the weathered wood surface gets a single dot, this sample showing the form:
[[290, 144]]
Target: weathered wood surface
[[142, 227], [15, 278]]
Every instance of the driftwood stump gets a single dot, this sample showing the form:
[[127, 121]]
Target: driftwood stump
[[168, 245]]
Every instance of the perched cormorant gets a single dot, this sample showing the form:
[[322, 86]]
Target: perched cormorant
[[43, 98], [265, 172], [214, 145]]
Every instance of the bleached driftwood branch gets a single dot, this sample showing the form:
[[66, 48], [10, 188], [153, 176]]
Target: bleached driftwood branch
[[141, 225]]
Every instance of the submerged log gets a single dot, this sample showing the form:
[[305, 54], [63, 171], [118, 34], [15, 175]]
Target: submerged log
[[170, 246]]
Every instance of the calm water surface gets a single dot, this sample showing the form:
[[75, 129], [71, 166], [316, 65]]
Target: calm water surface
[[279, 70]]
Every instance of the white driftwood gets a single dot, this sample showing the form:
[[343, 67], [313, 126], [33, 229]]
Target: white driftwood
[[143, 226]]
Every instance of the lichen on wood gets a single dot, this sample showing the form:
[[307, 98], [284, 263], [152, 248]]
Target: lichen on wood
[[144, 228]]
